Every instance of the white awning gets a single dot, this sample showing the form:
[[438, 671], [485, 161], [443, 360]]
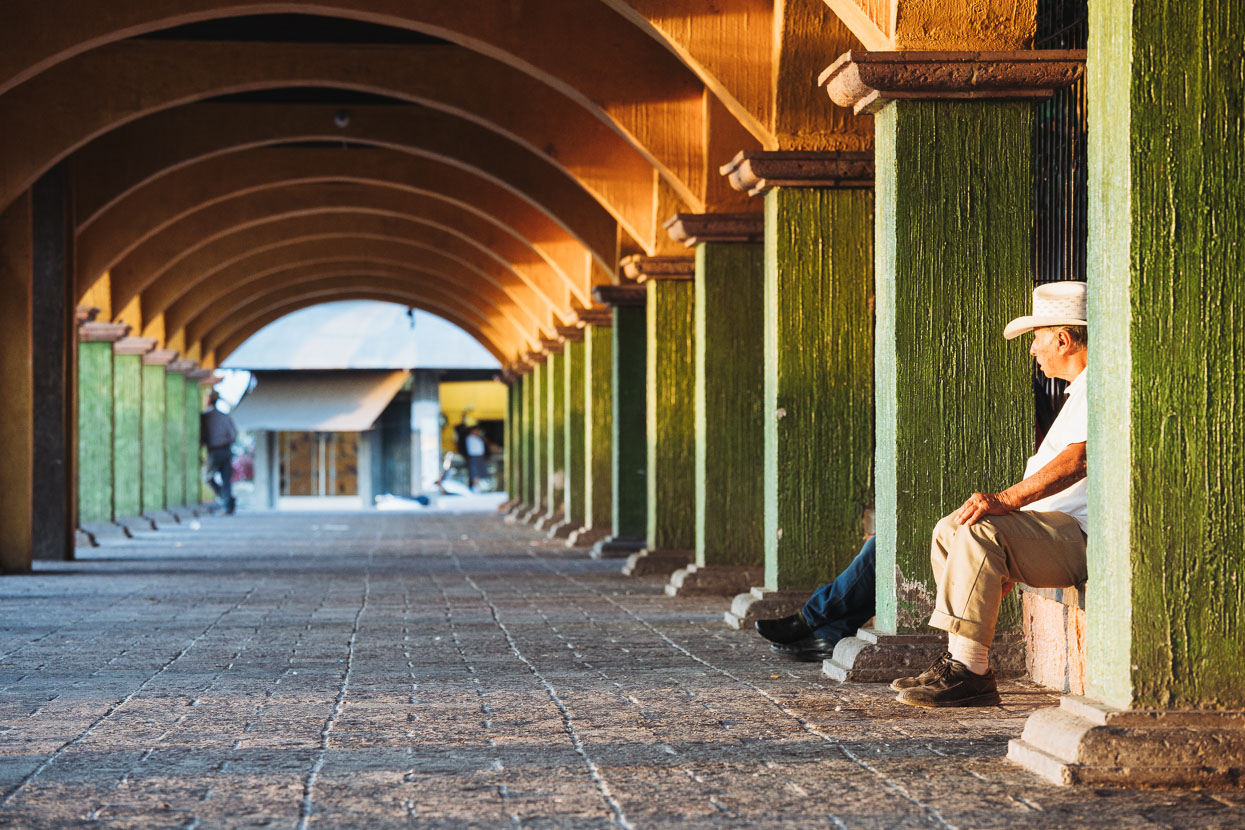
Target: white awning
[[348, 401]]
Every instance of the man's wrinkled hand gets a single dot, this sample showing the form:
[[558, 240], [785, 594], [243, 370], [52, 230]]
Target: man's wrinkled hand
[[982, 504]]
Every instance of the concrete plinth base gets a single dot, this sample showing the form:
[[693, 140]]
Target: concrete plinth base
[[712, 580], [82, 539], [873, 656], [546, 521], [617, 547], [95, 531], [763, 604], [563, 529], [161, 517], [586, 537], [135, 524], [183, 513], [1087, 742], [657, 562], [517, 514]]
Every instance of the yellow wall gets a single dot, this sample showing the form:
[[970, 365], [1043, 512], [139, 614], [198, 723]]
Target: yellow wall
[[486, 400]]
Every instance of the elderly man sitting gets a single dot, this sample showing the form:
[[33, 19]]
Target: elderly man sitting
[[1032, 532]]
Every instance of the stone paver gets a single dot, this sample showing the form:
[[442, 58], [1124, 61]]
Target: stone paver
[[385, 670]]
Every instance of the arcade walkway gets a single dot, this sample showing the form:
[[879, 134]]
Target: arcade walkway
[[403, 670]]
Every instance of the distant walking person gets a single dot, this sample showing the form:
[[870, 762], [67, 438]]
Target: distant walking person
[[477, 456], [217, 432]]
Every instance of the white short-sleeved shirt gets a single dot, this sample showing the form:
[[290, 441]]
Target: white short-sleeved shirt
[[1071, 426]]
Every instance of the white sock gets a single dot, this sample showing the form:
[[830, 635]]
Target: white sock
[[971, 653]]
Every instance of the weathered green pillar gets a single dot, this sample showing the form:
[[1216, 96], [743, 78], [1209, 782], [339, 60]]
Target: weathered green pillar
[[817, 416], [175, 434], [555, 438], [596, 473], [540, 438], [127, 431], [154, 429], [629, 461], [954, 240], [1165, 603], [524, 472], [572, 516], [95, 421], [194, 453], [728, 403], [508, 438], [670, 380], [516, 441]]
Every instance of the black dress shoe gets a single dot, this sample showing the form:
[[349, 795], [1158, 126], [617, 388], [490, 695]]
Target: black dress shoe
[[808, 650], [785, 629]]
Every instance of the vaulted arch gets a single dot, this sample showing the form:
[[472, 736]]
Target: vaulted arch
[[572, 46], [214, 234], [252, 255], [229, 340], [226, 301], [169, 198], [550, 126]]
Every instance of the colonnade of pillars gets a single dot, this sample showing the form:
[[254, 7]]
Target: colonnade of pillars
[[835, 361], [138, 428]]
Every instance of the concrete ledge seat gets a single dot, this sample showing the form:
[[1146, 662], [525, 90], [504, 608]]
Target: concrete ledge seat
[[1053, 626]]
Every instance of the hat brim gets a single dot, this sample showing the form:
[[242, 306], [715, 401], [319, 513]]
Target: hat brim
[[1021, 325]]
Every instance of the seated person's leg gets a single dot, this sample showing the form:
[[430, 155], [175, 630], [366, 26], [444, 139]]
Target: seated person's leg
[[837, 609], [1041, 549], [834, 611]]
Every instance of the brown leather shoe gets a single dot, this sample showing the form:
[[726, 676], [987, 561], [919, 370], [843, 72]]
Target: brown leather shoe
[[901, 683], [954, 685]]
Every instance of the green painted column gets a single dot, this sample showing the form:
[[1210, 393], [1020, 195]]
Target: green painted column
[[818, 367], [127, 415], [817, 417], [628, 445], [954, 235], [671, 416], [194, 452], [154, 428], [1167, 367], [540, 438], [574, 442], [523, 475], [508, 436], [1165, 603], [95, 420], [598, 428], [555, 435], [729, 403], [175, 437]]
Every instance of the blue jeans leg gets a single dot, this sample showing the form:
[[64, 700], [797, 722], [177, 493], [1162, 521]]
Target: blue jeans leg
[[837, 609]]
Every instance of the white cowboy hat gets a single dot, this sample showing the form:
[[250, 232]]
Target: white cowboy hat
[[1054, 304]]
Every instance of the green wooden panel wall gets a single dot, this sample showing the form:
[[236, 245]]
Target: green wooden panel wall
[[729, 402], [95, 475], [671, 416], [1166, 601], [153, 437], [599, 428], [127, 451], [630, 447], [954, 399]]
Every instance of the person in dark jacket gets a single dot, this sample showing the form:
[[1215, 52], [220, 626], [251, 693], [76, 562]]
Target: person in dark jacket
[[217, 432]]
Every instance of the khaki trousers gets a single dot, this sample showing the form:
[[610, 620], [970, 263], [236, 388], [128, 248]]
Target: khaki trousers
[[973, 562]]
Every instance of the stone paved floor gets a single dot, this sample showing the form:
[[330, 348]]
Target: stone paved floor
[[394, 669]]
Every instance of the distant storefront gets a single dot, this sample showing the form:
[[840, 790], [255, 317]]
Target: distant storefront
[[339, 438]]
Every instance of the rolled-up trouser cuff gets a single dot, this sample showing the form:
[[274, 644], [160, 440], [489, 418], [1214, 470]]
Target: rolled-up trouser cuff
[[974, 631]]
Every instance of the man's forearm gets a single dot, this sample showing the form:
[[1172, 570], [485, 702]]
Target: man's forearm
[[1060, 473]]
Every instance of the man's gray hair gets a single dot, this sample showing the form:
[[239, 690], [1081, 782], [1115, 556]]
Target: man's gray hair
[[1079, 335]]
